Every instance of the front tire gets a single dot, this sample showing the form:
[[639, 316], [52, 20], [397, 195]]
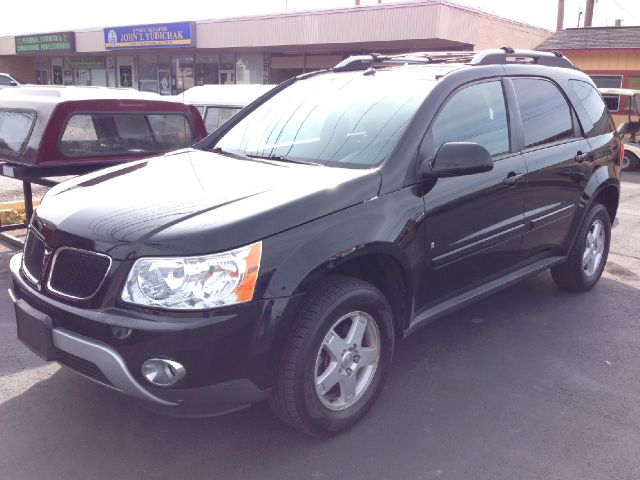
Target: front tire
[[588, 256], [629, 161], [336, 359]]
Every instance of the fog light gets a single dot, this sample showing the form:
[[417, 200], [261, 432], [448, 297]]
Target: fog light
[[162, 372]]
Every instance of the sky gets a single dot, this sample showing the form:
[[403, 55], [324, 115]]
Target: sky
[[21, 17]]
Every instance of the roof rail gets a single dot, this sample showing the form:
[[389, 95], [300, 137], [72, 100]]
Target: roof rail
[[507, 55], [501, 56], [365, 62]]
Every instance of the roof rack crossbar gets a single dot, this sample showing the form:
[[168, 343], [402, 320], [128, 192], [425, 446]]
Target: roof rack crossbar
[[364, 62], [507, 55]]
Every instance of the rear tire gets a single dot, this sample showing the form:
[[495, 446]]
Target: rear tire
[[589, 253], [336, 358]]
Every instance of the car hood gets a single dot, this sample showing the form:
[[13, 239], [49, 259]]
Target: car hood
[[193, 202]]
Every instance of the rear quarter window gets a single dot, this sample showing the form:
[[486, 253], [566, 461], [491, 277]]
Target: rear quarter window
[[118, 134], [15, 129], [594, 106]]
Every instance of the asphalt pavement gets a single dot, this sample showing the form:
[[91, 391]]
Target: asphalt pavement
[[11, 190], [532, 383]]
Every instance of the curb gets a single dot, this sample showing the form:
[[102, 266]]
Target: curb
[[11, 240]]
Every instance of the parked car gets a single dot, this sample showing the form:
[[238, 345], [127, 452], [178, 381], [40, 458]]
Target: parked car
[[46, 126], [286, 255], [7, 81], [629, 129], [218, 103]]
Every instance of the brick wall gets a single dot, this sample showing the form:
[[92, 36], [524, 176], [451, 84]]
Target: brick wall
[[21, 68]]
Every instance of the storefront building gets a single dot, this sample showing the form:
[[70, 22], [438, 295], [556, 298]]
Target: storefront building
[[170, 58], [609, 55]]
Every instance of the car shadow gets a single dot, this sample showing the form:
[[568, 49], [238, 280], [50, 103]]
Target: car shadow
[[486, 392]]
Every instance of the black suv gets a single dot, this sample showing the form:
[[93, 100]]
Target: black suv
[[284, 256]]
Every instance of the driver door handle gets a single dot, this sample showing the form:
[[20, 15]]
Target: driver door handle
[[581, 157], [512, 178]]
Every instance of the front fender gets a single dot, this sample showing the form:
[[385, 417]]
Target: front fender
[[389, 225]]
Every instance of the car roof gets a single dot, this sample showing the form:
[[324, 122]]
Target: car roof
[[58, 94]]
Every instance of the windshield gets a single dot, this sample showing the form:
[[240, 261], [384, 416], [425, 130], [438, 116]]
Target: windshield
[[332, 120]]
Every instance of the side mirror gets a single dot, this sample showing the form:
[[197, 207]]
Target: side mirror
[[458, 158], [13, 83]]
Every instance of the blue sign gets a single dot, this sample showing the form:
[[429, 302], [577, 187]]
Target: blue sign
[[150, 36]]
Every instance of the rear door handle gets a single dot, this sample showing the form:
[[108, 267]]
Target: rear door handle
[[581, 157], [512, 178]]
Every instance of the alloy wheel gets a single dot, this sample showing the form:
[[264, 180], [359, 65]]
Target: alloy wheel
[[594, 248], [347, 360]]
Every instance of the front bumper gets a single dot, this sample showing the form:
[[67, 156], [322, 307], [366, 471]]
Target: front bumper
[[217, 381]]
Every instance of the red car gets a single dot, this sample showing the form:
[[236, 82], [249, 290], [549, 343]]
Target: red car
[[65, 126]]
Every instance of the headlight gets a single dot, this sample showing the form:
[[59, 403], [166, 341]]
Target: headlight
[[192, 283]]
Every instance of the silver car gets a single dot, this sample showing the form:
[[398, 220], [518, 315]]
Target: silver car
[[7, 80]]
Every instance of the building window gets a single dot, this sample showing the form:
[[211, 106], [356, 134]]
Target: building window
[[164, 74], [182, 73], [609, 81], [207, 70], [43, 67], [249, 68], [227, 68], [283, 67], [148, 73]]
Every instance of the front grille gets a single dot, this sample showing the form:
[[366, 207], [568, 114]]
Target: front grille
[[77, 273], [33, 260]]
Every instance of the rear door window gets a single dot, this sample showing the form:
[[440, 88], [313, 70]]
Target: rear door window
[[546, 117], [117, 134], [15, 129]]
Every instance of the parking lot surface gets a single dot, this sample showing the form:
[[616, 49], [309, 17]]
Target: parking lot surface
[[531, 383]]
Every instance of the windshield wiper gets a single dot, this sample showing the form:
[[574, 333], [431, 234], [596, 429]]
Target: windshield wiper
[[281, 158], [228, 153]]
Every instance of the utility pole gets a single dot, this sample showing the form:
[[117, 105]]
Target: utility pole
[[560, 23], [588, 16]]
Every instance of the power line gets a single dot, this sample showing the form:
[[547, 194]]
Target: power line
[[625, 10]]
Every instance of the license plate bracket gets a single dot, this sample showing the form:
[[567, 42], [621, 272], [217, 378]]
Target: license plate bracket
[[34, 330]]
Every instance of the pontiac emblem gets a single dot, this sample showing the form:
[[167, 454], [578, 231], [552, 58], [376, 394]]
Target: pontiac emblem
[[46, 257]]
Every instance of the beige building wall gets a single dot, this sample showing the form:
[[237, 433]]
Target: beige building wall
[[487, 31], [90, 41], [608, 60], [402, 25], [7, 46], [424, 20]]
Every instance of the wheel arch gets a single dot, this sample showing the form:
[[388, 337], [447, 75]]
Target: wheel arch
[[380, 266], [604, 188]]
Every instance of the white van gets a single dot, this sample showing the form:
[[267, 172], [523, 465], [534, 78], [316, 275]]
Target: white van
[[218, 103]]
